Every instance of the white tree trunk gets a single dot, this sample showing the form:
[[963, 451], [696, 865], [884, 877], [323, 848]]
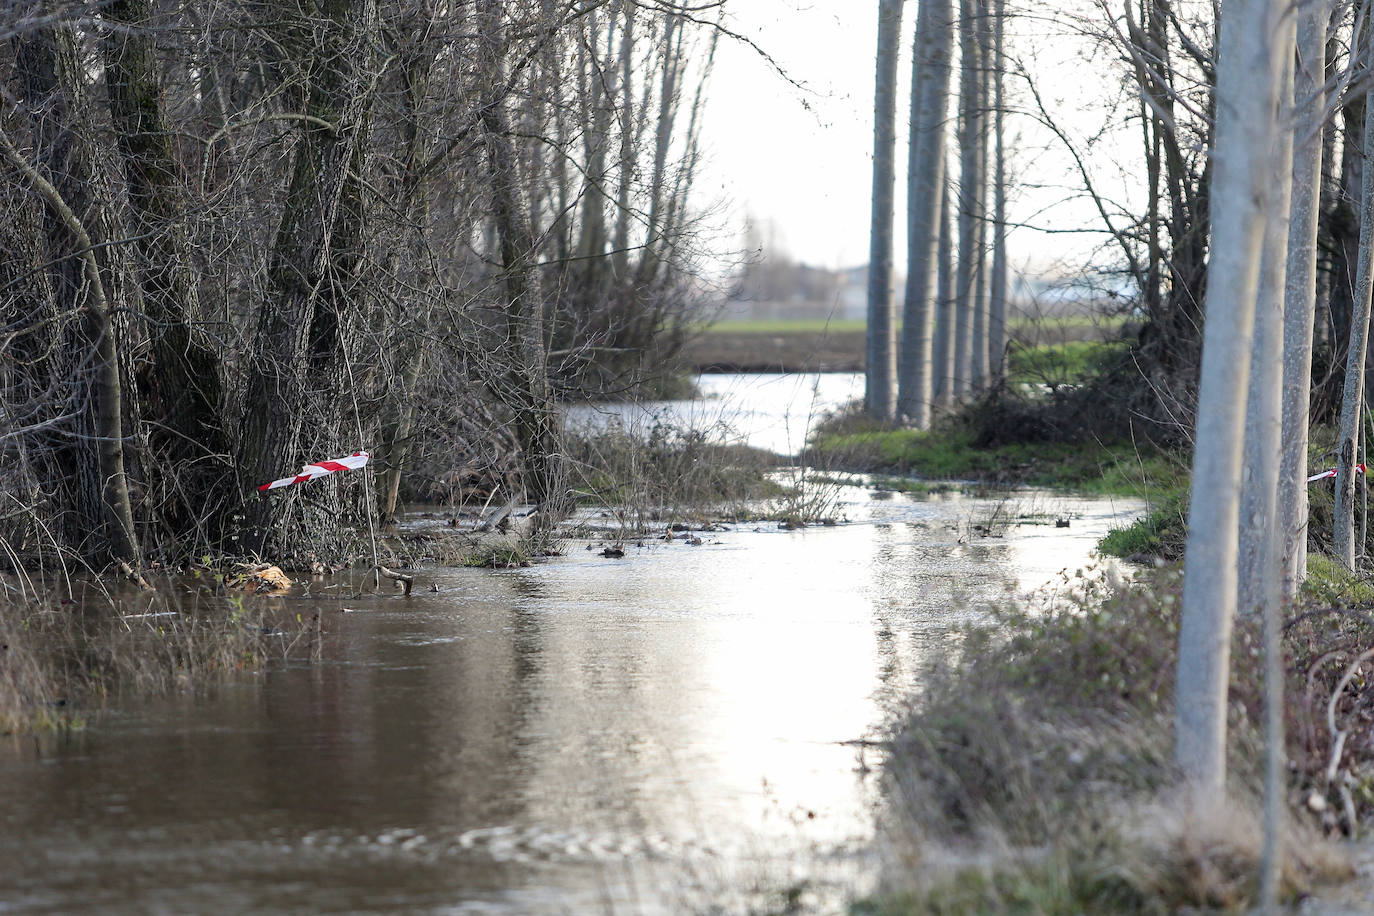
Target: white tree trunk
[[1242, 197], [997, 296], [1352, 400], [1259, 561], [880, 395], [1261, 540], [944, 300], [978, 370], [970, 120], [1300, 290], [925, 182]]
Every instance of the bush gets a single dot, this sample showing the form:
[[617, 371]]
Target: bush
[[1036, 766]]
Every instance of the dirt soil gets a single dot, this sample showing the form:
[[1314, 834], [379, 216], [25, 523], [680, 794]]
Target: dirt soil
[[776, 351]]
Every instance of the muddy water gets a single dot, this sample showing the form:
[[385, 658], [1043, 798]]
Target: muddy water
[[680, 730], [663, 733]]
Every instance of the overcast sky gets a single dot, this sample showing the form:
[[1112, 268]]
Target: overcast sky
[[802, 160]]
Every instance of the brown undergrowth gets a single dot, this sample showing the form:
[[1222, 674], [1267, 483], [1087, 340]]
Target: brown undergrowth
[[61, 656], [1034, 774]]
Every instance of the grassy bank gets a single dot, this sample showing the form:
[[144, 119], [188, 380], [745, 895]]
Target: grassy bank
[[819, 345], [1033, 774], [953, 453]]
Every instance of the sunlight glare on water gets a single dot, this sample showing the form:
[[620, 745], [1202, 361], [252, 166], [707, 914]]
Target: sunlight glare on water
[[669, 732]]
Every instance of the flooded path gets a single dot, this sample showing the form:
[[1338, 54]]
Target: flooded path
[[672, 732]]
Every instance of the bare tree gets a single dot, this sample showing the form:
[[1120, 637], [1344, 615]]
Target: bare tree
[[997, 286], [969, 199], [880, 393], [1352, 401], [925, 186], [1300, 290], [1247, 98]]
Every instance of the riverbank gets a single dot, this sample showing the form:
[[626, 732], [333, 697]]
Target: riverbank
[[679, 729], [1034, 774], [839, 346]]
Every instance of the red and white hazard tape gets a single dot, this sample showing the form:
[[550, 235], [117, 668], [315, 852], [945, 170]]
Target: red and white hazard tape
[[1359, 469], [321, 469]]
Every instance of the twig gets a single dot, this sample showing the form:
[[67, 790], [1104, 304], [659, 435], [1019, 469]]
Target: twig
[[407, 580]]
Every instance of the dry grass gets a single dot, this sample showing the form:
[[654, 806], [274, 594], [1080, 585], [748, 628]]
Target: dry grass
[[59, 657], [1034, 773]]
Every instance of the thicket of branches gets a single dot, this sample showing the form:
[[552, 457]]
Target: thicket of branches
[[241, 236]]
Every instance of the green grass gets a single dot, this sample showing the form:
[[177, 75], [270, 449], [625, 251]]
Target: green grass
[[1331, 584], [943, 455], [1160, 533], [1069, 363], [815, 325]]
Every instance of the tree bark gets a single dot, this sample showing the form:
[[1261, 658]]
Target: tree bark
[[970, 192], [925, 184], [880, 395], [944, 300], [305, 323], [119, 537], [997, 287], [1299, 309], [1246, 116], [1352, 399], [185, 396], [537, 420]]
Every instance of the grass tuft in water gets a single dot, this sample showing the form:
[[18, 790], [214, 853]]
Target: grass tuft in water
[[1033, 775], [59, 658]]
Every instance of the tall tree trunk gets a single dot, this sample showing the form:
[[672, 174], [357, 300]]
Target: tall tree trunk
[[537, 420], [118, 536], [1352, 400], [978, 368], [880, 392], [997, 287], [1300, 294], [944, 299], [1246, 118], [292, 405], [925, 184], [651, 255], [1260, 538], [970, 129], [185, 397], [620, 256]]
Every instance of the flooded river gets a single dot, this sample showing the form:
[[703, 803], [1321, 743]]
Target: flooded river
[[676, 731]]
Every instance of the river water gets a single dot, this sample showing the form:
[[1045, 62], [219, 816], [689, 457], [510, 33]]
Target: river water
[[676, 731]]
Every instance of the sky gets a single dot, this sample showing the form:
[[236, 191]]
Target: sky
[[800, 159]]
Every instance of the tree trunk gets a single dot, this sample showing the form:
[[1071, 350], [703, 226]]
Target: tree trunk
[[997, 288], [537, 420], [944, 299], [1300, 284], [970, 129], [1246, 117], [978, 368], [1352, 400], [118, 535], [185, 396], [880, 392], [925, 184], [1260, 553], [292, 406]]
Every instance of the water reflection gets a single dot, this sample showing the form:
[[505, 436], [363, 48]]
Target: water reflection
[[766, 410], [640, 735]]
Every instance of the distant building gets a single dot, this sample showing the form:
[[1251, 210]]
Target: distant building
[[779, 289]]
